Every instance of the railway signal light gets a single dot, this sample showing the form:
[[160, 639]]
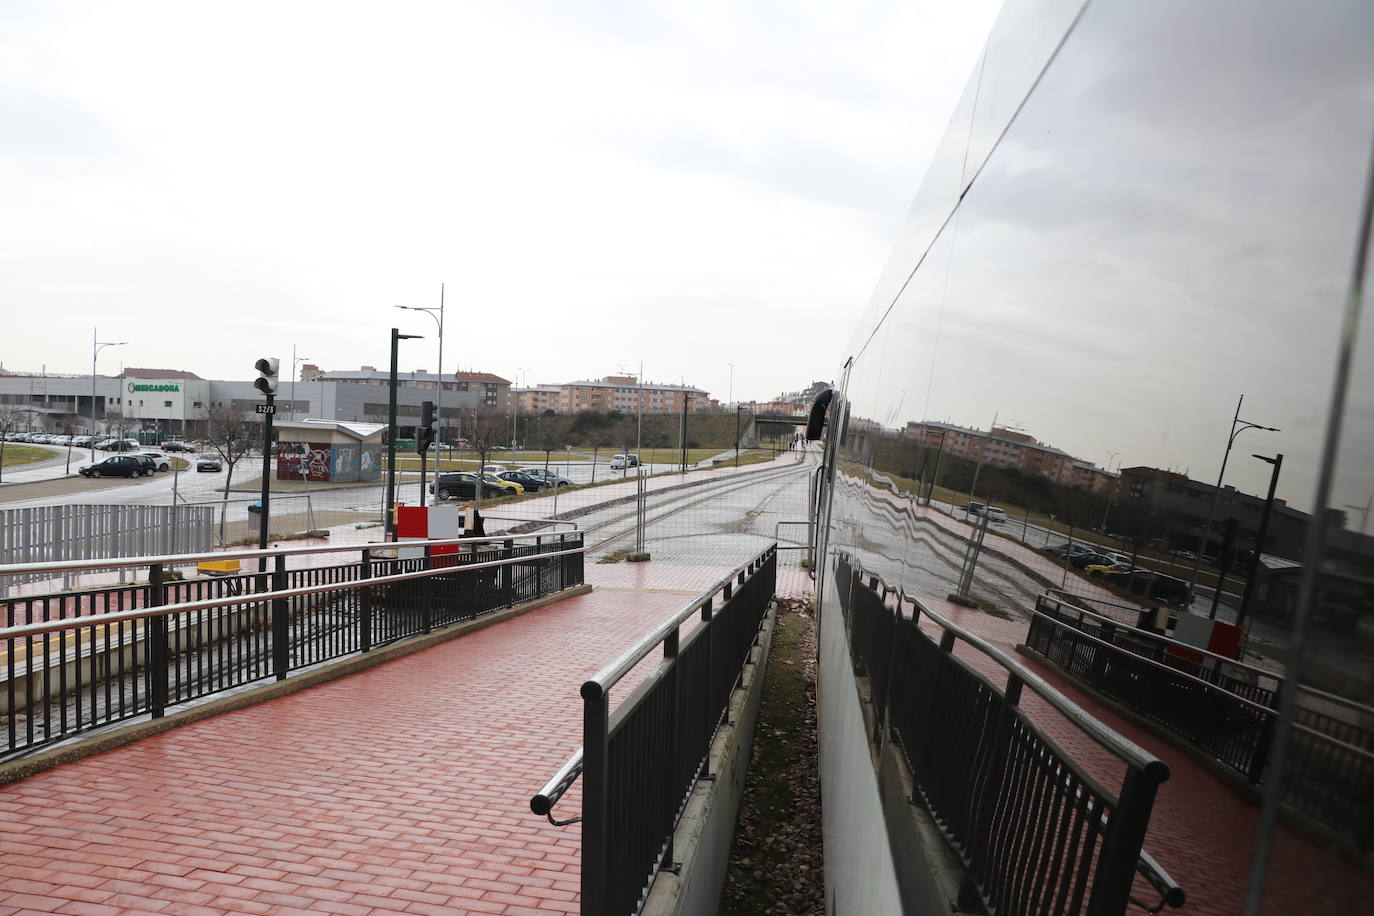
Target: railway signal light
[[267, 375]]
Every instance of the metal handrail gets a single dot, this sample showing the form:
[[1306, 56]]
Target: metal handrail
[[601, 682], [187, 558], [164, 610], [1258, 707], [1125, 749], [1169, 640], [543, 801], [1330, 740]]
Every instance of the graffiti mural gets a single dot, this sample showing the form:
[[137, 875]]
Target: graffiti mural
[[303, 461], [345, 462], [370, 463]]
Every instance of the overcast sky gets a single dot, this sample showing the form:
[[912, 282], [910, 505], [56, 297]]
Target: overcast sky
[[1170, 223], [684, 184]]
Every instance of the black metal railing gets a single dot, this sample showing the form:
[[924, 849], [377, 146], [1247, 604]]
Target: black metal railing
[[1035, 831], [80, 660], [638, 763], [1224, 708]]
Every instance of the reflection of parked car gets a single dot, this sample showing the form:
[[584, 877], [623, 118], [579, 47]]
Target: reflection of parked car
[[209, 462], [116, 466], [463, 485], [1062, 550], [1097, 570], [1151, 584], [1090, 558]]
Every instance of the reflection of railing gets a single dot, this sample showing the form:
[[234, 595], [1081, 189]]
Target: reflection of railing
[[1224, 708], [638, 764], [1034, 831], [76, 661]]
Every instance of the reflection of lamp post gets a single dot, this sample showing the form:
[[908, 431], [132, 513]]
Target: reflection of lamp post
[[96, 347], [1277, 462], [396, 336], [1238, 426]]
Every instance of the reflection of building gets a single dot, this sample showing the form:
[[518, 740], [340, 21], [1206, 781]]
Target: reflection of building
[[1006, 448], [613, 392], [328, 452], [1182, 506]]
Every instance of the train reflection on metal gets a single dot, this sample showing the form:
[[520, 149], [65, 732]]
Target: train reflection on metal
[[1120, 336]]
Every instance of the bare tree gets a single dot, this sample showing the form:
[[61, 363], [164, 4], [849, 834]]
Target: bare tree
[[487, 430], [230, 434], [10, 419]]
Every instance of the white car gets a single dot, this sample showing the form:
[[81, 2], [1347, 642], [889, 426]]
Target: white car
[[621, 462]]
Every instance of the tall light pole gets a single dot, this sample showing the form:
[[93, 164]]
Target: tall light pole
[[731, 397], [439, 400], [96, 347], [1238, 426], [1277, 463], [294, 361], [396, 336], [515, 423]]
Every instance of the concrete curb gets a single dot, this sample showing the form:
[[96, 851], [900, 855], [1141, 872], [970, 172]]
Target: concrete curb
[[127, 733], [706, 830]]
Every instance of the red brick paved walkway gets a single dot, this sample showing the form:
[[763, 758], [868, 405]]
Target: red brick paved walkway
[[403, 789]]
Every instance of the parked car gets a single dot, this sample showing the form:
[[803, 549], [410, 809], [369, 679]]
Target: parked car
[[621, 462], [115, 466], [463, 485], [549, 478], [160, 462], [175, 446], [209, 461], [510, 486], [82, 441], [494, 468], [531, 484]]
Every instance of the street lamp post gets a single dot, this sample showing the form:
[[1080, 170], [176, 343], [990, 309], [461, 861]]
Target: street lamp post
[[96, 347], [1277, 462], [1238, 426], [396, 337], [439, 400], [294, 361]]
